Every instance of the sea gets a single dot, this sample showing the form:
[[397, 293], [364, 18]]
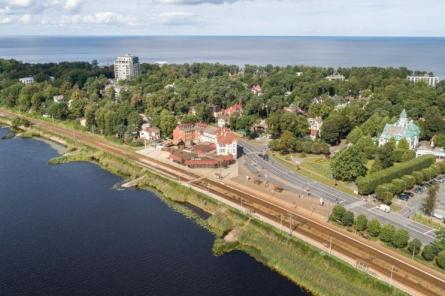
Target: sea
[[415, 53], [64, 230]]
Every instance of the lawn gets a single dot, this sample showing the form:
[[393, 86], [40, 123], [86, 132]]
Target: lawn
[[316, 167]]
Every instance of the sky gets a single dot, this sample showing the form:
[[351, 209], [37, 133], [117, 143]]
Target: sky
[[223, 17]]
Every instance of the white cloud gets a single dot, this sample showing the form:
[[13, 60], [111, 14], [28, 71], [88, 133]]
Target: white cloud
[[195, 2], [25, 19], [5, 20], [176, 18], [72, 5], [98, 18]]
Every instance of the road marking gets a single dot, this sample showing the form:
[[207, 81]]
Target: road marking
[[429, 231]]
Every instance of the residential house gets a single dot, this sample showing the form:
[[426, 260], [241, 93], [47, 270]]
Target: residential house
[[224, 115], [315, 127], [257, 90], [402, 129], [149, 134], [336, 76], [189, 133], [226, 143], [58, 99], [430, 80], [27, 80], [294, 109]]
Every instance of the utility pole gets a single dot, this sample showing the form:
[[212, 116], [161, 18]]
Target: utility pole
[[330, 245], [392, 271]]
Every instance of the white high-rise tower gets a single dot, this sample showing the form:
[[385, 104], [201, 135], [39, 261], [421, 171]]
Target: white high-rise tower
[[126, 66]]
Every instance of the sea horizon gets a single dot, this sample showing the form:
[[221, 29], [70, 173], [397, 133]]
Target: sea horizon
[[417, 53]]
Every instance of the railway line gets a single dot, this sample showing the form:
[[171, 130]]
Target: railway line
[[423, 280]]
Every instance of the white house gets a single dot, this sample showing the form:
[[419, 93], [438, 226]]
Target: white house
[[58, 99], [430, 80], [226, 143], [209, 135], [315, 126], [402, 129], [336, 76], [149, 133], [27, 80]]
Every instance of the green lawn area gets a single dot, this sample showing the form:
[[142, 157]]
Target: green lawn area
[[316, 167]]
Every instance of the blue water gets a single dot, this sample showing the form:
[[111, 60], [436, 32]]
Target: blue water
[[65, 231], [427, 54]]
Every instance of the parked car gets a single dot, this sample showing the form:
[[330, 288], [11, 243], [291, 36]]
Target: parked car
[[384, 208], [409, 193], [403, 196]]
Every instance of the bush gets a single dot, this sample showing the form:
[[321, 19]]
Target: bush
[[385, 193], [337, 213], [368, 184], [387, 233], [374, 228], [361, 223], [398, 155], [409, 180], [440, 260], [414, 246], [348, 219], [419, 177], [400, 238], [441, 166], [429, 252], [408, 155], [399, 185]]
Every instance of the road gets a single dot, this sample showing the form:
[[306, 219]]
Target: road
[[297, 183]]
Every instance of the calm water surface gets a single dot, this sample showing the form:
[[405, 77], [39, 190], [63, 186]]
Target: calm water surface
[[426, 54], [65, 231]]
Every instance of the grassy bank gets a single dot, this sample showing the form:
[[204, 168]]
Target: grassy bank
[[305, 265], [301, 263]]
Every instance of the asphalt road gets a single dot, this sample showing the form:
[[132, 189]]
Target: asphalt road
[[297, 182]]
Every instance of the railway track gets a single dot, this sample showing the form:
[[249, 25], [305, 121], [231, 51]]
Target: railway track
[[402, 270]]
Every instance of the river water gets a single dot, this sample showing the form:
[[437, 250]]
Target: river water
[[65, 231]]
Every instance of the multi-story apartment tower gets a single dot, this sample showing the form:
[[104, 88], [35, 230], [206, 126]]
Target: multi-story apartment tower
[[126, 66]]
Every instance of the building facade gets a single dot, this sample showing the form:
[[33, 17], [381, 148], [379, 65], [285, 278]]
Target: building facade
[[314, 127], [430, 80], [402, 129], [27, 80], [126, 67]]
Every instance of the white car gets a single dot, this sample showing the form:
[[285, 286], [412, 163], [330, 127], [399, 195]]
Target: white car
[[384, 208]]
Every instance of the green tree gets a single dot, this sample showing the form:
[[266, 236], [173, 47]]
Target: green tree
[[348, 164], [355, 135], [167, 123], [429, 253], [400, 238], [403, 144], [337, 213], [433, 123], [348, 219], [334, 128], [414, 246], [287, 142], [387, 233], [361, 223], [430, 201], [374, 228], [385, 156], [440, 259]]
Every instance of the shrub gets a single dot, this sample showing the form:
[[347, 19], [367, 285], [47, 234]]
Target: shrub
[[400, 238], [429, 253], [348, 219], [337, 213], [414, 246], [419, 177], [368, 184], [398, 155], [408, 155], [387, 233], [374, 228], [385, 193], [399, 185], [361, 223], [409, 180], [441, 166], [440, 259]]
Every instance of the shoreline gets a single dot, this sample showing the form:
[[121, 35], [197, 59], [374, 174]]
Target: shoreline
[[224, 219]]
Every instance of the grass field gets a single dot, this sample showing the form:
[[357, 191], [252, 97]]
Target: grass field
[[316, 167]]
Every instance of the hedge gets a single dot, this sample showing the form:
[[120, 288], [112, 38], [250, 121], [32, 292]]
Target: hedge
[[367, 185]]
